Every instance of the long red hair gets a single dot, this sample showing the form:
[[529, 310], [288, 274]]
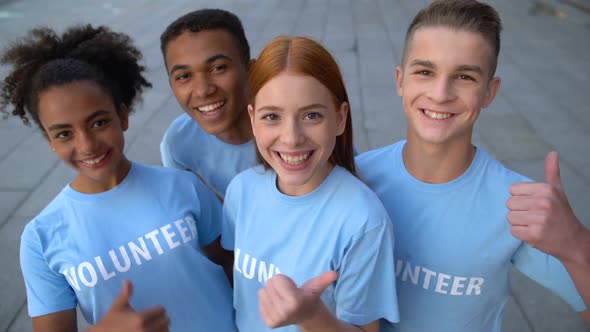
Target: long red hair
[[305, 56]]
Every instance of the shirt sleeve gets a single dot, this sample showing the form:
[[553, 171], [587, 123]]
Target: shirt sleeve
[[365, 290], [47, 290], [209, 223], [166, 152], [549, 272], [228, 227]]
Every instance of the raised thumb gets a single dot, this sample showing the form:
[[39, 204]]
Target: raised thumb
[[122, 300], [319, 284], [552, 176]]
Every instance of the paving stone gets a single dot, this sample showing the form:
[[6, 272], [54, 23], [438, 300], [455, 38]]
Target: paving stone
[[511, 137], [541, 104], [536, 302], [22, 168], [9, 201], [12, 291], [52, 183], [514, 319], [22, 322]]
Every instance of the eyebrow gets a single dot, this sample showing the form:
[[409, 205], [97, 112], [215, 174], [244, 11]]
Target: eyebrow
[[423, 63], [209, 60], [304, 108], [88, 119], [429, 64]]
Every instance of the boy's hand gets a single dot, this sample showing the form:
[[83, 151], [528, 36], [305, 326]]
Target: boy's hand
[[122, 317], [541, 215], [282, 303]]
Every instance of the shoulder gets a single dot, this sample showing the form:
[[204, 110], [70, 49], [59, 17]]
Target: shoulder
[[497, 172], [160, 178], [181, 123], [181, 129], [158, 171], [371, 155], [52, 216], [360, 201], [374, 163], [248, 178], [377, 165]]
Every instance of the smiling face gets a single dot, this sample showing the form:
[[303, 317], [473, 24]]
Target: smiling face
[[296, 122], [85, 130], [209, 80], [444, 84]]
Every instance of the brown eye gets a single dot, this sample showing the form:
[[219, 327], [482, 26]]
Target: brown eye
[[63, 134]]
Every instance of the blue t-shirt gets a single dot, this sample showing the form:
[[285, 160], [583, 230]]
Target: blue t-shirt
[[149, 229], [453, 244], [340, 226], [186, 145]]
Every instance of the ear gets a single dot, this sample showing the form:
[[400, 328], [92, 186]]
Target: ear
[[342, 115], [492, 90], [251, 114], [399, 80], [123, 113]]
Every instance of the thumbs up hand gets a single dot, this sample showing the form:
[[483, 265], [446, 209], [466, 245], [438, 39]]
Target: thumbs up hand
[[540, 213], [282, 303], [121, 317]]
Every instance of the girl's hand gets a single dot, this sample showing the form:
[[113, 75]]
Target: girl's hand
[[122, 317], [282, 303]]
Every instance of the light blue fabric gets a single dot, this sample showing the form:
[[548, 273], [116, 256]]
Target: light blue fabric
[[453, 244], [340, 226], [186, 145], [149, 230]]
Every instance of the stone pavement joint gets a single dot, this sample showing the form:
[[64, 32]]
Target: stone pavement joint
[[542, 105]]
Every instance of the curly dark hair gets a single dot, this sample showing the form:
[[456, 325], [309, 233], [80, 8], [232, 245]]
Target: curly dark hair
[[43, 59], [208, 19]]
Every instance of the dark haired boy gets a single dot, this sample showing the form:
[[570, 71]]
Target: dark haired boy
[[460, 217], [207, 59]]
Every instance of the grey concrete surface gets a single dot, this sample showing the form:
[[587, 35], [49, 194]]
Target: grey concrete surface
[[541, 106]]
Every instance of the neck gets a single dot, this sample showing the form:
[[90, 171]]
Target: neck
[[240, 132], [437, 163], [88, 185]]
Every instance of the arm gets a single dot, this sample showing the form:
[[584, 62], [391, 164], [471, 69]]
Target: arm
[[326, 322], [61, 321], [540, 214], [282, 303], [208, 185], [577, 265], [121, 317], [222, 257]]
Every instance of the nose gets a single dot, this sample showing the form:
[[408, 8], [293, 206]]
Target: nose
[[292, 133], [441, 91], [202, 86], [86, 143]]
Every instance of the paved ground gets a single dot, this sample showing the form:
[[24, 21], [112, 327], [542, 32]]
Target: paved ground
[[542, 105]]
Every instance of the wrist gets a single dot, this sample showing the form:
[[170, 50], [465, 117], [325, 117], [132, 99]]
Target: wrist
[[579, 249], [319, 320]]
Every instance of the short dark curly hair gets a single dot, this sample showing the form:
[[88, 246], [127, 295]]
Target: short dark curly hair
[[208, 19], [43, 59]]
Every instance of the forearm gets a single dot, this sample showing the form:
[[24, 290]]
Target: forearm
[[325, 321], [577, 263]]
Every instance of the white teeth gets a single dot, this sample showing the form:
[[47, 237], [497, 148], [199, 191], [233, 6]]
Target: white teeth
[[436, 115], [294, 160], [210, 107], [94, 161]]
